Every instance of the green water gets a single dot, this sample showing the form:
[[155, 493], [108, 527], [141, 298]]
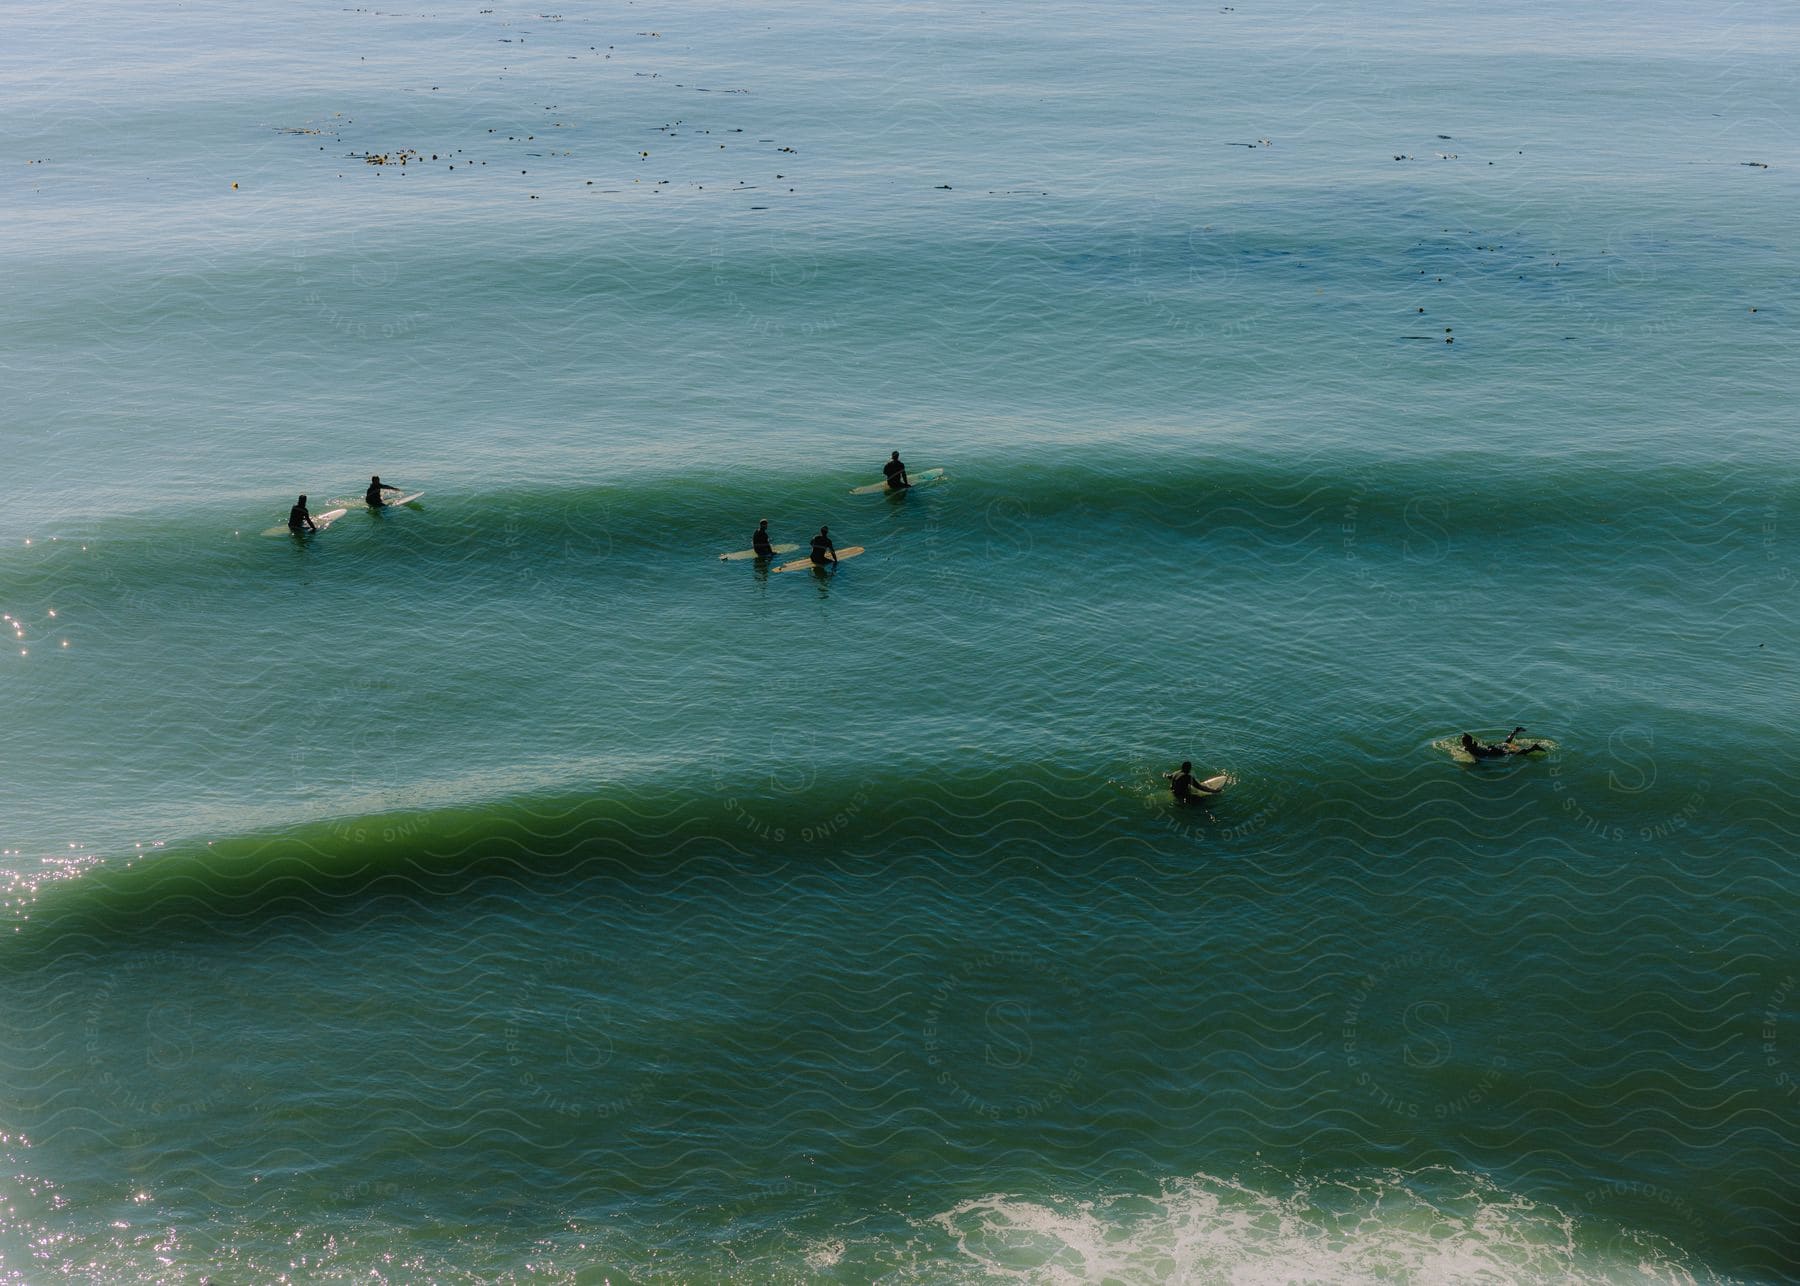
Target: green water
[[504, 887]]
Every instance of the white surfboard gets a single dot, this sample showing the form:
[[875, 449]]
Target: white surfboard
[[751, 553], [320, 521], [918, 479], [801, 563], [403, 500], [1204, 792]]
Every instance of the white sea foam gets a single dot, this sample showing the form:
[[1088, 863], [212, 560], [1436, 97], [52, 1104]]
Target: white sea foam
[[1438, 1225]]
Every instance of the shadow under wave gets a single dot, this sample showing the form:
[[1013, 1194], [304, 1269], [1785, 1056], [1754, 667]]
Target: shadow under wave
[[960, 821]]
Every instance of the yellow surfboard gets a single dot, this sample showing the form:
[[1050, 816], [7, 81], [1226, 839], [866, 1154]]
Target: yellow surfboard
[[800, 564], [742, 554]]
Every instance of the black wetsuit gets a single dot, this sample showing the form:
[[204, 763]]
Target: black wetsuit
[[298, 519], [759, 541], [1181, 785], [822, 550], [895, 473], [372, 497]]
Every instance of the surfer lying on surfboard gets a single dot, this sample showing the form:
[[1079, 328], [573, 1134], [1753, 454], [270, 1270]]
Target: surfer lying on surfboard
[[1511, 746]]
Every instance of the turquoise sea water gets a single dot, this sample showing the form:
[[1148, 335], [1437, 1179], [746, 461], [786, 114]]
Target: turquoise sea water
[[506, 888]]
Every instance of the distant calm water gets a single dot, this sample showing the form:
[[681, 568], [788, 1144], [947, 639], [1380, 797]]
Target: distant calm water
[[505, 888]]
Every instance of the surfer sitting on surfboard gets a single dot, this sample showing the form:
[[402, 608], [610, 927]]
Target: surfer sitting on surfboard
[[372, 497], [822, 548], [895, 472], [1182, 784], [759, 540], [299, 519]]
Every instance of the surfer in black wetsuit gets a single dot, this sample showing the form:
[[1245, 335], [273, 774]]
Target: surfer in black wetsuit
[[372, 497], [759, 540], [299, 520], [1481, 750], [895, 472], [1181, 783], [822, 548], [1512, 747]]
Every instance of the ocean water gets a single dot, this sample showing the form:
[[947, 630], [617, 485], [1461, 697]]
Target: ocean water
[[504, 888]]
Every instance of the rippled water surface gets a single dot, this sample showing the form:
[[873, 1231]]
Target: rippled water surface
[[503, 886]]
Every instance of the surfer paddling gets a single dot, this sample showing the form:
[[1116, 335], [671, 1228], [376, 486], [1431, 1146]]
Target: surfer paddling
[[1480, 750], [895, 473], [1511, 746], [299, 520]]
